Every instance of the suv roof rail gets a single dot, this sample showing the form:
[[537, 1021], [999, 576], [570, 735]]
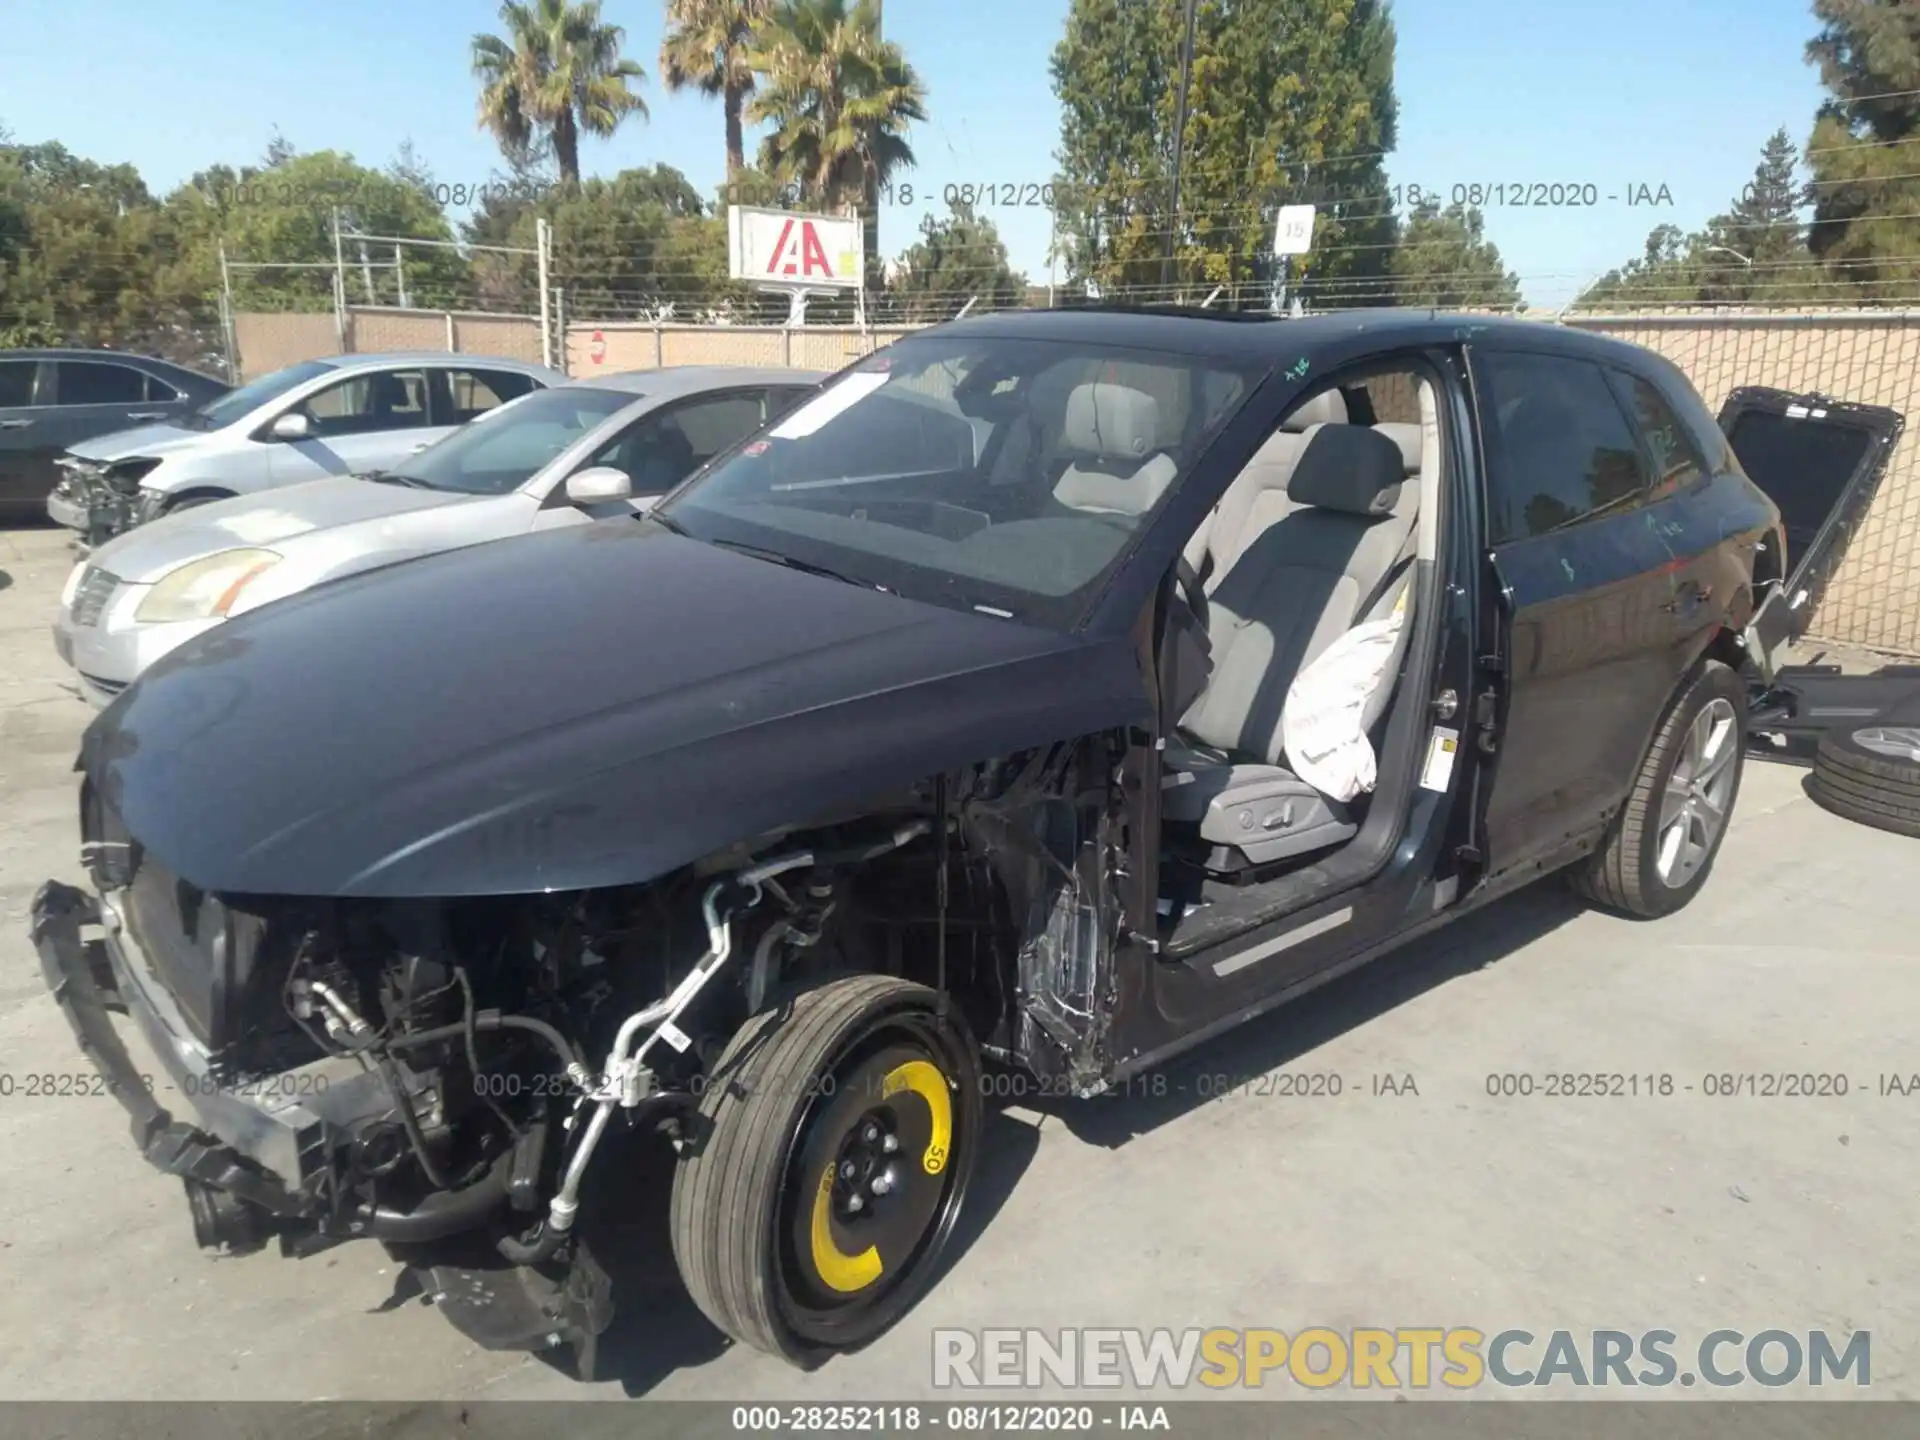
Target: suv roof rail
[[1167, 307]]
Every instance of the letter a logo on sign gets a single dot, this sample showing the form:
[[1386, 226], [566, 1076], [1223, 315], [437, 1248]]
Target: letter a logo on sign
[[798, 254]]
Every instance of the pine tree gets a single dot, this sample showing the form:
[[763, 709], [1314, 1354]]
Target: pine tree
[[1866, 222]]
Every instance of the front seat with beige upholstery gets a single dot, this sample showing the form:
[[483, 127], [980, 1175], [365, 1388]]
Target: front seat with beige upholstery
[[1118, 466], [1283, 591]]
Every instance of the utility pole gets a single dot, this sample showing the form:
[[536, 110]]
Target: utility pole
[[1179, 148], [339, 283], [543, 242]]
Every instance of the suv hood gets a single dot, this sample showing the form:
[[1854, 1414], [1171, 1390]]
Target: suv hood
[[583, 707], [146, 441], [147, 552]]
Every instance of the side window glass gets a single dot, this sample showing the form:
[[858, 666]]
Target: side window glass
[[1677, 462], [780, 401], [91, 382], [1562, 448], [474, 392], [159, 392], [16, 383], [662, 449], [380, 400]]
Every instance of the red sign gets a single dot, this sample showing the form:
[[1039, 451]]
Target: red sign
[[799, 253], [597, 348]]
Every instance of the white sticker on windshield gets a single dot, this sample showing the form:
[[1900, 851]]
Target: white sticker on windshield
[[822, 408]]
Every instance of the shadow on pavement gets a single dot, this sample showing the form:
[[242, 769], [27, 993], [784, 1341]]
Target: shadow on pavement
[[1264, 1045]]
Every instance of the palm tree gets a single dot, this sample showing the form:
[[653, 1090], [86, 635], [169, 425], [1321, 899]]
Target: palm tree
[[706, 47], [839, 99], [557, 73]]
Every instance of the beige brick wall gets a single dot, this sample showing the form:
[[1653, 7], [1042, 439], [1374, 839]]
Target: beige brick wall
[[630, 346], [272, 341], [1874, 600]]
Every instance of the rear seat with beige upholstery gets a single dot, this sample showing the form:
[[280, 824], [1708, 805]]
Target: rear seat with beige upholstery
[[1315, 536]]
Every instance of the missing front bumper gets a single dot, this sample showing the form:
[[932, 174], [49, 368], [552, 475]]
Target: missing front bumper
[[278, 1158], [82, 982]]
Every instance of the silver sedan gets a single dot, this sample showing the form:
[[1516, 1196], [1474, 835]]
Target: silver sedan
[[565, 456]]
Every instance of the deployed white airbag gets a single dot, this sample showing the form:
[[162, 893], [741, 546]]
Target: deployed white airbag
[[1333, 702]]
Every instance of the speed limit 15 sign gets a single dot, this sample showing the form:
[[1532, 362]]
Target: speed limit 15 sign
[[1293, 232]]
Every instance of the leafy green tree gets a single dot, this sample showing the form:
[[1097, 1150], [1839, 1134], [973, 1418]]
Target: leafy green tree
[[1755, 252], [957, 259], [1866, 209], [86, 256], [1445, 260], [706, 47], [1290, 101], [840, 101], [556, 74], [624, 247], [282, 214]]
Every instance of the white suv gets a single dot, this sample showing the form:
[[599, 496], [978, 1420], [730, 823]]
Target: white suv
[[344, 415]]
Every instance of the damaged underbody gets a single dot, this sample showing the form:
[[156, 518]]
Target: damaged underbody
[[420, 1070]]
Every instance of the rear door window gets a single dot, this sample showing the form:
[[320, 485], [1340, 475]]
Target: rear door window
[[1560, 447], [471, 393], [16, 383], [96, 382], [1677, 461]]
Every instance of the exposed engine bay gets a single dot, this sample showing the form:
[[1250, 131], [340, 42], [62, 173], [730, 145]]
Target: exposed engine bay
[[410, 1070]]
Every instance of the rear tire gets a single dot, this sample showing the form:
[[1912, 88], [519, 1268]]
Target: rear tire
[[834, 1145], [1661, 846], [1871, 773]]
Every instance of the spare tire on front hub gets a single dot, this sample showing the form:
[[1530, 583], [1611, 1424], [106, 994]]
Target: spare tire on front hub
[[818, 1189]]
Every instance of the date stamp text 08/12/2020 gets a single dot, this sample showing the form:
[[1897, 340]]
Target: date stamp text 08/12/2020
[[1491, 194]]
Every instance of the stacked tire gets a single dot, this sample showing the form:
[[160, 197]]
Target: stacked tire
[[1870, 772]]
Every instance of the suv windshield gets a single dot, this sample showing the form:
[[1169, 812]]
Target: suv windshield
[[501, 449], [237, 404], [988, 473]]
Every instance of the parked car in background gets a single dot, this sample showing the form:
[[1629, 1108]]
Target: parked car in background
[[53, 399], [339, 416], [1059, 688], [554, 457]]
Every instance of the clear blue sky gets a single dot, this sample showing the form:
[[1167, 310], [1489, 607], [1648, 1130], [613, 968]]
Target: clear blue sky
[[1680, 93]]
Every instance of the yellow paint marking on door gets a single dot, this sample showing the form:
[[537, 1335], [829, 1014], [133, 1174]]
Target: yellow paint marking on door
[[926, 1081], [841, 1271]]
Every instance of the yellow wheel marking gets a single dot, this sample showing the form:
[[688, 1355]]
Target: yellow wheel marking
[[843, 1272], [926, 1081]]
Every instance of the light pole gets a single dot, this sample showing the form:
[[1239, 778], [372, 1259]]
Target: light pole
[[1745, 260], [1179, 146]]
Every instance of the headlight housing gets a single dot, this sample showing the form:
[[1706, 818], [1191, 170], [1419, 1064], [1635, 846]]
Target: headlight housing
[[204, 589]]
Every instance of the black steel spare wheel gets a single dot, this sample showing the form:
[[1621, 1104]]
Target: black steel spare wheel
[[820, 1187], [1871, 772]]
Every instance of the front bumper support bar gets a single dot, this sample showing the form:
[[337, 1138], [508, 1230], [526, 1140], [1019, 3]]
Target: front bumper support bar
[[86, 997]]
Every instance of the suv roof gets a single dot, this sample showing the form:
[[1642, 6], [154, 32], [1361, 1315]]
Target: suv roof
[[1256, 337], [370, 359], [137, 357]]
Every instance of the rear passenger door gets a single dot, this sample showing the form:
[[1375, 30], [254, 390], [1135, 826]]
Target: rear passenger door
[[1585, 570], [97, 397]]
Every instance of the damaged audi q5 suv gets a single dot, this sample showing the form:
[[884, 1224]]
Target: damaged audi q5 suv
[[1051, 690]]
